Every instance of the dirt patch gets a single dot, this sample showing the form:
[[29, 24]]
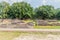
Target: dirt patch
[[38, 37]]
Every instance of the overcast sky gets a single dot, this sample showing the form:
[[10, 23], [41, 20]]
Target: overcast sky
[[36, 3]]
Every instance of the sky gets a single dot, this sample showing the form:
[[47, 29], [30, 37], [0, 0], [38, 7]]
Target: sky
[[37, 3]]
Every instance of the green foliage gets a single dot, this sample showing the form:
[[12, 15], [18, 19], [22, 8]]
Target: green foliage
[[58, 13], [23, 10], [4, 7], [45, 12], [20, 10]]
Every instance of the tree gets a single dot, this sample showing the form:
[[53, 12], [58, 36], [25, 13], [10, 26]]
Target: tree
[[45, 12], [21, 10], [58, 13], [4, 7]]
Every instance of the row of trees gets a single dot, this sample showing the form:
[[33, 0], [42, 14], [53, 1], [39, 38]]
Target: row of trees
[[23, 10]]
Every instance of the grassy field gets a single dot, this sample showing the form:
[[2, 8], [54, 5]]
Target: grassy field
[[8, 35], [12, 35], [47, 27]]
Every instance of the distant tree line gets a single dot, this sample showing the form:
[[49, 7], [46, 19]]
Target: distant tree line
[[23, 10]]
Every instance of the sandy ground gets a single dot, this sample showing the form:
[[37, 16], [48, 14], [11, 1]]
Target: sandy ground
[[29, 36], [38, 37]]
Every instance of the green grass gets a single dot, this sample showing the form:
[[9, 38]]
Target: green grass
[[47, 27], [12, 35], [8, 35]]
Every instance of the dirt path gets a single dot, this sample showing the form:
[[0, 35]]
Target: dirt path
[[38, 37]]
